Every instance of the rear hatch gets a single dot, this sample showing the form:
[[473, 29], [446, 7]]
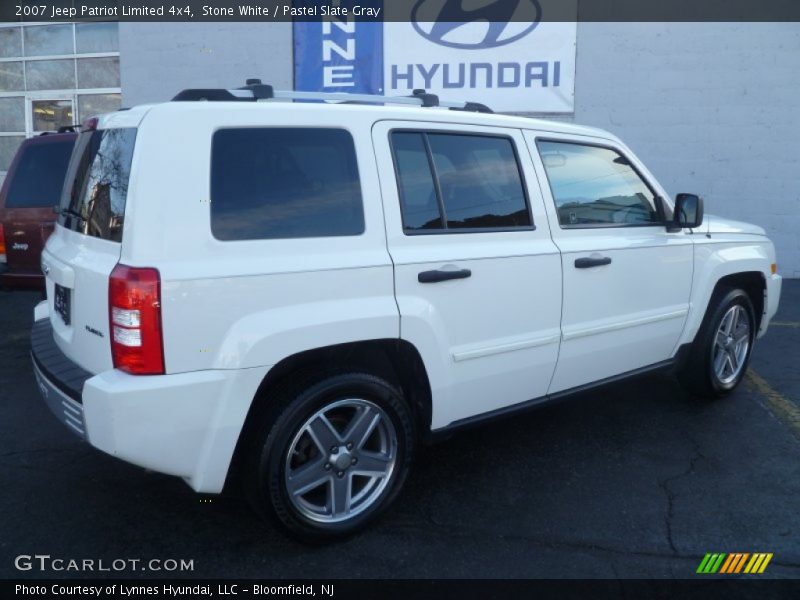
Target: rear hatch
[[86, 244], [31, 190]]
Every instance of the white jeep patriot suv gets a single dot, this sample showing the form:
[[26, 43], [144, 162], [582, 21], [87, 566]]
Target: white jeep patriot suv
[[301, 293]]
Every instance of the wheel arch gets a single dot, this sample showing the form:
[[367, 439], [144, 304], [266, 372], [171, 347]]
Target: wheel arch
[[720, 260], [753, 283], [395, 360], [697, 371]]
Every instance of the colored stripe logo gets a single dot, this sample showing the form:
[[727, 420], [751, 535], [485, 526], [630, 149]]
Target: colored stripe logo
[[733, 563]]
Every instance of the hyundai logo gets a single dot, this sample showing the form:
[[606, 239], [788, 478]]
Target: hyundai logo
[[497, 23]]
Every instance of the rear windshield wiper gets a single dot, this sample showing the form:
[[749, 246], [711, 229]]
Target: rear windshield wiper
[[68, 212]]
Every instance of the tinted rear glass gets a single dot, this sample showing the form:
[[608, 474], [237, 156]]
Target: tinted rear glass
[[459, 182], [96, 186], [271, 183], [420, 203], [39, 176], [480, 181]]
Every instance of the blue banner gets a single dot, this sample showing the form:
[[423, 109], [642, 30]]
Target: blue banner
[[338, 54]]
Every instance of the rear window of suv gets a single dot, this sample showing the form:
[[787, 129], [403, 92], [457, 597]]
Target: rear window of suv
[[274, 183], [37, 180], [96, 185]]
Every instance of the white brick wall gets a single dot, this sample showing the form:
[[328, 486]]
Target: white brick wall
[[157, 60], [712, 108]]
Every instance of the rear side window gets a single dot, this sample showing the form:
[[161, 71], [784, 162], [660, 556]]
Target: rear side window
[[421, 208], [459, 182], [39, 176], [273, 183], [96, 186]]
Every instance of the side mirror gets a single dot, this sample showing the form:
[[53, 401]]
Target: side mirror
[[688, 212]]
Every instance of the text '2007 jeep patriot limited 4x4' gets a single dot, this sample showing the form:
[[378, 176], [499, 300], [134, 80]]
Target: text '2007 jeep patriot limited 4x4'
[[307, 291]]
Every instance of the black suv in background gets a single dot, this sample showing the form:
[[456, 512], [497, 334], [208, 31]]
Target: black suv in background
[[30, 191]]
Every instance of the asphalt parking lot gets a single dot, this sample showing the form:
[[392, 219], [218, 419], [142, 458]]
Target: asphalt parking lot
[[638, 480]]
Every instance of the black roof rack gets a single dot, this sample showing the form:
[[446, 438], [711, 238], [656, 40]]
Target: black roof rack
[[427, 99], [475, 107], [62, 129], [212, 95], [254, 90]]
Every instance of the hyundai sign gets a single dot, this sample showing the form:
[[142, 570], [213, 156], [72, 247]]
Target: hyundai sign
[[517, 62]]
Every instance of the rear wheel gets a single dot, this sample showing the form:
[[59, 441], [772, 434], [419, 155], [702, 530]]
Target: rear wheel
[[332, 457], [721, 351]]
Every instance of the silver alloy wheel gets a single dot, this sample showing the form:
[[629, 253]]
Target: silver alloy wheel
[[340, 461], [731, 344]]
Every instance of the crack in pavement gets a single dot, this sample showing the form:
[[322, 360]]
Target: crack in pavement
[[577, 545], [15, 337], [75, 455], [665, 485], [40, 450]]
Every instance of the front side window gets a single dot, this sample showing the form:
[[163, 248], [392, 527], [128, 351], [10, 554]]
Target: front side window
[[276, 183], [96, 185], [595, 186], [458, 182]]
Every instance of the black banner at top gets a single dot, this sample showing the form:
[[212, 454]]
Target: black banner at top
[[399, 10]]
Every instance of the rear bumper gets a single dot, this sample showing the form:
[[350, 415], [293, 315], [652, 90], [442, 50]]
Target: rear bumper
[[20, 280], [66, 409], [60, 380], [185, 424]]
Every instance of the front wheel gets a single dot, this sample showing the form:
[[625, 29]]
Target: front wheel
[[721, 351], [334, 455]]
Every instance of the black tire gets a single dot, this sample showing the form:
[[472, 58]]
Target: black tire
[[698, 375], [266, 463]]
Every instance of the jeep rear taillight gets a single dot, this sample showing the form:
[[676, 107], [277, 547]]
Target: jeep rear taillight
[[90, 124], [2, 244], [134, 314]]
